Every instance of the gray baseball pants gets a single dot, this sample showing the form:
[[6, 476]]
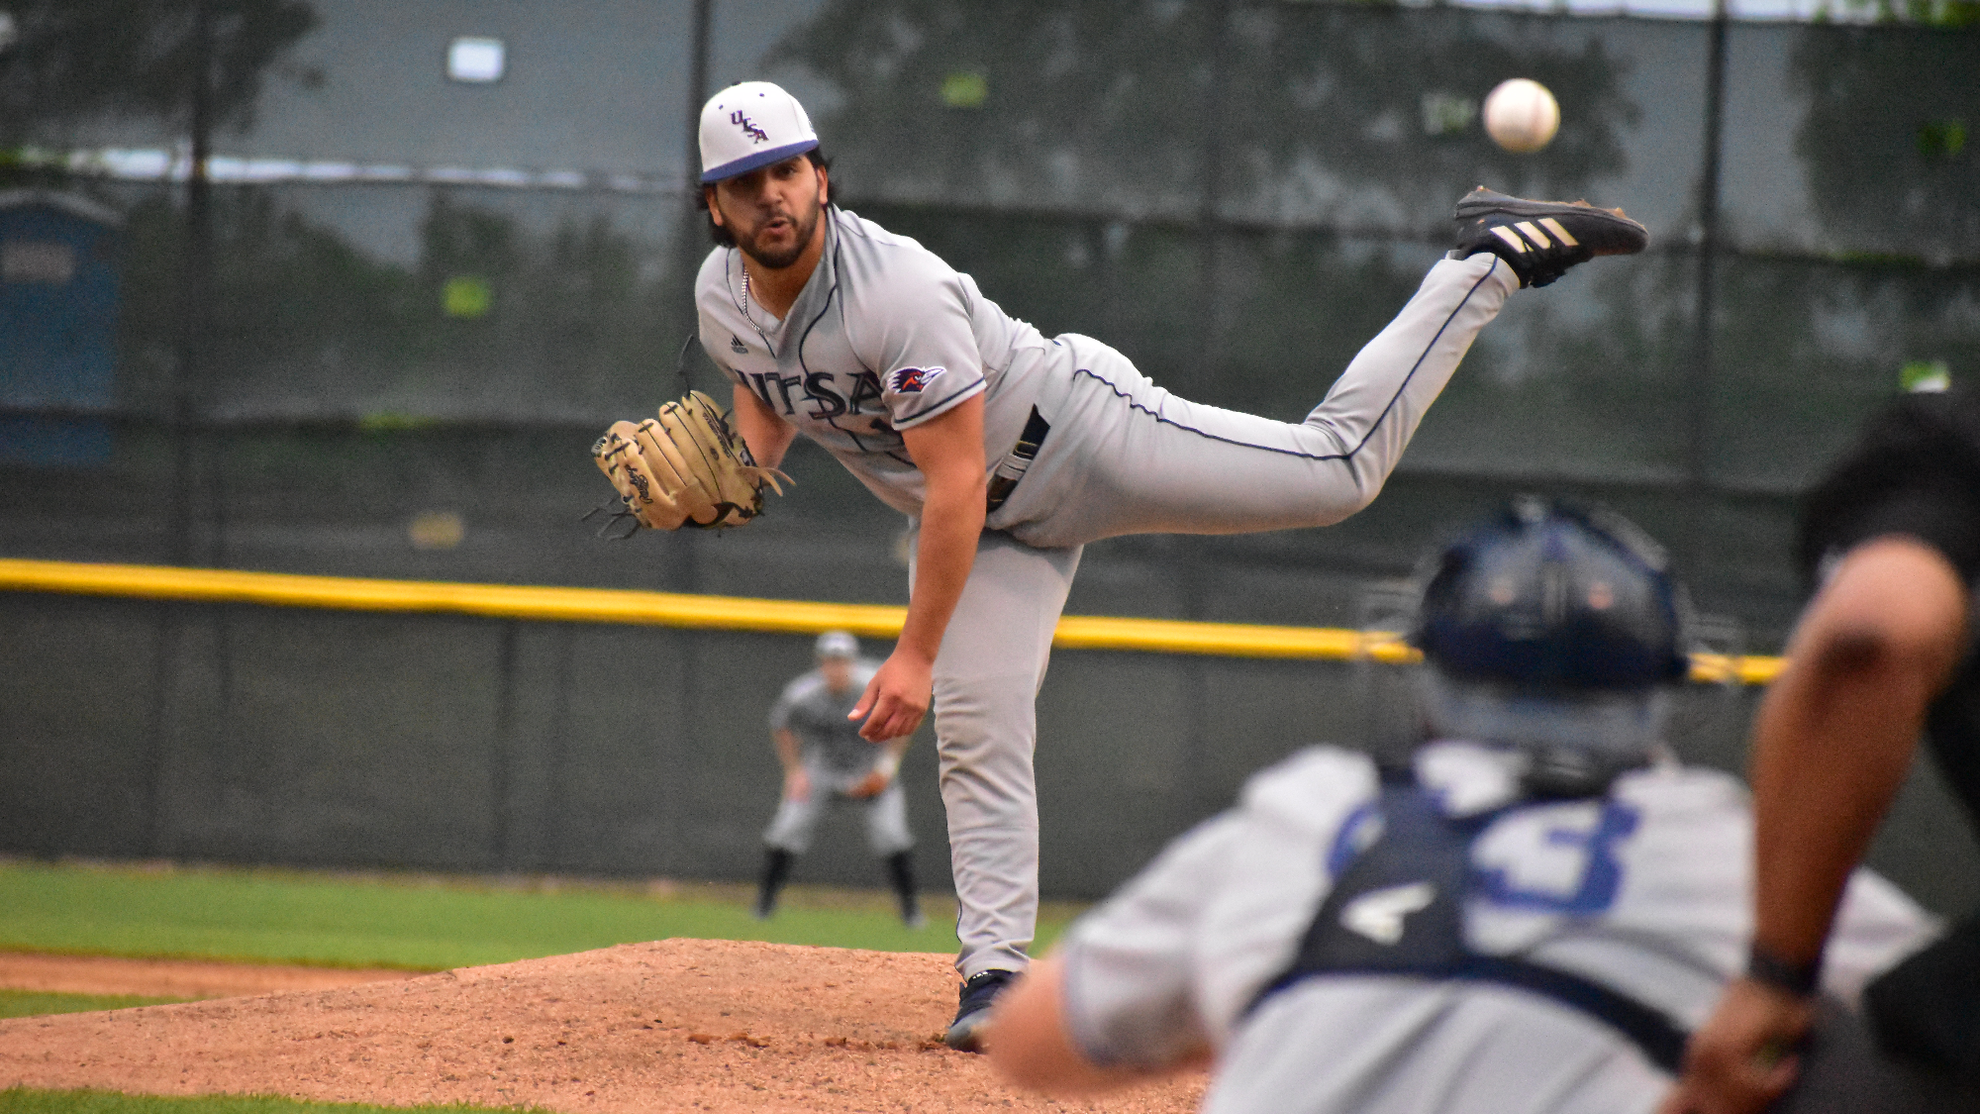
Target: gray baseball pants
[[1125, 456], [886, 816]]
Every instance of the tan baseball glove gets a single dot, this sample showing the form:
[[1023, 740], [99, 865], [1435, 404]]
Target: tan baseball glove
[[684, 468]]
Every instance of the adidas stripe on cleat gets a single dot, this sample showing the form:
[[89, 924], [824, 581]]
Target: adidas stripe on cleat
[[1540, 240], [1528, 235]]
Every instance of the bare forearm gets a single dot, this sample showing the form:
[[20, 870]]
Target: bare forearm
[[789, 751], [945, 551], [1831, 747], [767, 435], [1836, 734], [948, 450]]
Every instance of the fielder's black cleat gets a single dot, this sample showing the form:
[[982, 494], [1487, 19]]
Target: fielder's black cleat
[[978, 994], [1540, 240]]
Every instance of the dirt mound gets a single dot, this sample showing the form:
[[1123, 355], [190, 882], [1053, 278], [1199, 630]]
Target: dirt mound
[[170, 978], [708, 1025]]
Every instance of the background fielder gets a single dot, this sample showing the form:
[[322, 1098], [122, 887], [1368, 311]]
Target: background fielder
[[827, 765], [1523, 921], [1010, 451]]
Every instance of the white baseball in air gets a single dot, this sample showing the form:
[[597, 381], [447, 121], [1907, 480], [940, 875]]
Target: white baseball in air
[[1521, 115]]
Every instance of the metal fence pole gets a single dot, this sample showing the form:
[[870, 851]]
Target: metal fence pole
[[1703, 378], [688, 549], [1209, 218], [704, 11], [501, 751], [1195, 797], [195, 277], [194, 305]]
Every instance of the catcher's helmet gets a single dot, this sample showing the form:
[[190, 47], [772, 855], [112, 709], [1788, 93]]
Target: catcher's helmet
[[1551, 629], [1545, 594]]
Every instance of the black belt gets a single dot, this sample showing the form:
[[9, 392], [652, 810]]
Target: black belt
[[1004, 478]]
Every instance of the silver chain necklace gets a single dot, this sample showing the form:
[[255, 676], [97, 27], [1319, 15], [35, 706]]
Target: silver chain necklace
[[745, 301]]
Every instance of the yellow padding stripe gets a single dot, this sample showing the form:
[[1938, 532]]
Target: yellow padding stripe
[[670, 609]]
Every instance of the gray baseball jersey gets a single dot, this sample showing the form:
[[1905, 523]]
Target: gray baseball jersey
[[831, 746], [885, 336], [1647, 891]]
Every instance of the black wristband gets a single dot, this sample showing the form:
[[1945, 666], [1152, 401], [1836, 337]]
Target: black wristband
[[1799, 979]]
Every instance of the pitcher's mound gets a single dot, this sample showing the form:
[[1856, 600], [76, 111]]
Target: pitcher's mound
[[689, 1025]]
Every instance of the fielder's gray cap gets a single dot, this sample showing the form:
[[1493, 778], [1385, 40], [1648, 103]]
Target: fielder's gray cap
[[751, 125], [836, 644]]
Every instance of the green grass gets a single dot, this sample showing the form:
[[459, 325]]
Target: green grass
[[415, 921], [20, 1100], [34, 1003]]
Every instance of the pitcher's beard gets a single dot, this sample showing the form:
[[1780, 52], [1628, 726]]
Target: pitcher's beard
[[778, 260]]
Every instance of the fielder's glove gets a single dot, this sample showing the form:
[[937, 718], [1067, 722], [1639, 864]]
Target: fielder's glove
[[684, 468]]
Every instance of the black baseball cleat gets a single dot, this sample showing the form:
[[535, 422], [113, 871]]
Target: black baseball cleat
[[1540, 240], [978, 994]]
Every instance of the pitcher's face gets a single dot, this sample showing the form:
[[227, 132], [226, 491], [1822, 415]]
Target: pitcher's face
[[773, 211]]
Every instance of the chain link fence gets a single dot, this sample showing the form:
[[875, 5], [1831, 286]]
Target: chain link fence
[[281, 290]]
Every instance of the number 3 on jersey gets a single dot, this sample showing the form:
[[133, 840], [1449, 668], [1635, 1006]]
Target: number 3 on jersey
[[1555, 858]]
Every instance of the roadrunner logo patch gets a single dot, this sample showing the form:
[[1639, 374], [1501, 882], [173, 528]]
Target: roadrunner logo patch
[[756, 134], [913, 380]]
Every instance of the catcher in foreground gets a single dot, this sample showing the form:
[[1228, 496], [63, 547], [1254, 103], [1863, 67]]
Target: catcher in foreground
[[684, 468]]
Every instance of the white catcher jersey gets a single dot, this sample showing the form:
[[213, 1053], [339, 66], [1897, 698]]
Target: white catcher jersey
[[884, 336], [1647, 891]]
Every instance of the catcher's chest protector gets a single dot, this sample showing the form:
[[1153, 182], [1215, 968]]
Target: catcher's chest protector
[[1398, 909]]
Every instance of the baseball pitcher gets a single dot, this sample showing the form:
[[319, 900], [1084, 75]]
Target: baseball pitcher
[[1009, 450], [1526, 919]]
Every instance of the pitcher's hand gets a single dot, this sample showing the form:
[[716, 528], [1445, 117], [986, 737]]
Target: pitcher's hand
[[897, 697]]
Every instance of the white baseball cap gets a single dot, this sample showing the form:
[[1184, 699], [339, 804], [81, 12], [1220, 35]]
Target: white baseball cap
[[836, 644], [749, 125]]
